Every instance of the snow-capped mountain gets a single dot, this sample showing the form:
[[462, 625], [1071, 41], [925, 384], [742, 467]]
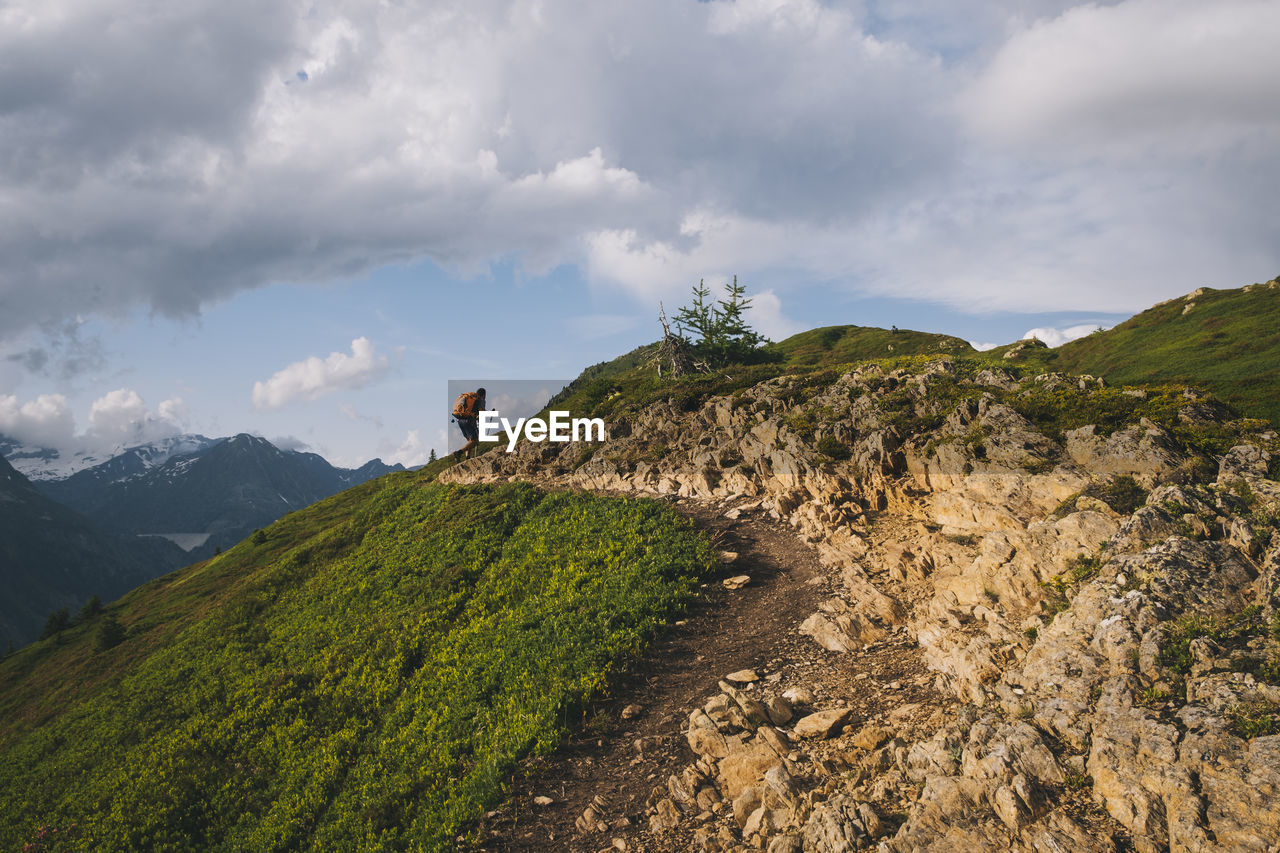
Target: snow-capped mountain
[[211, 495], [45, 464]]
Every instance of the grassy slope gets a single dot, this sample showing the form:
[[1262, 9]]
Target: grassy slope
[[1228, 343], [630, 381], [834, 345], [361, 679]]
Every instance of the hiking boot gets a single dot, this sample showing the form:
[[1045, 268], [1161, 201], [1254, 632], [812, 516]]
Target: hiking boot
[[457, 456]]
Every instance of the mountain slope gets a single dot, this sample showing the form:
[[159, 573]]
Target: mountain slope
[[1049, 604], [834, 345], [630, 382], [1227, 341], [362, 676], [225, 489], [52, 557]]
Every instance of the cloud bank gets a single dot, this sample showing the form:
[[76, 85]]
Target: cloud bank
[[1026, 156], [118, 419], [315, 377], [1057, 337]]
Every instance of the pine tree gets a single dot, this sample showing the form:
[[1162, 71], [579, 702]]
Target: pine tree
[[700, 317], [58, 621], [110, 633], [723, 335], [737, 340], [432, 457], [91, 608]]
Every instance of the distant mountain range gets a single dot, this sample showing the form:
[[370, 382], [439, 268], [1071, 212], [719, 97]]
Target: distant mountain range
[[203, 493], [52, 557], [101, 529]]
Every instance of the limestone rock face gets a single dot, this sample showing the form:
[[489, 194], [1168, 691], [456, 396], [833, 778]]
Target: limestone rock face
[[1100, 678]]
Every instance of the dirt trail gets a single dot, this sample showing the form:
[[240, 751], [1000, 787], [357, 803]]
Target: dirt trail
[[621, 761]]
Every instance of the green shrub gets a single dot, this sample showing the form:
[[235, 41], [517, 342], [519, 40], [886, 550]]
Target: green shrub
[[1254, 719], [1122, 494], [834, 448]]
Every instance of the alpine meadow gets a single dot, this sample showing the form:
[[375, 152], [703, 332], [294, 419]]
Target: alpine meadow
[[363, 675]]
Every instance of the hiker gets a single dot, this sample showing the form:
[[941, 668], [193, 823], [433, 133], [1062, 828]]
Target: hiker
[[466, 411]]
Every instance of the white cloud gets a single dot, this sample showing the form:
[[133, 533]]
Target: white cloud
[[765, 316], [46, 421], [1144, 74], [353, 415], [290, 443], [412, 451], [1057, 337], [314, 377], [1032, 156], [117, 419], [175, 411], [121, 418]]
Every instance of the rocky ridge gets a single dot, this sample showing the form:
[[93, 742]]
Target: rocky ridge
[[1094, 600]]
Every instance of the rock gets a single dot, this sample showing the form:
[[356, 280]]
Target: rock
[[542, 801], [707, 798], [870, 737], [679, 792], [774, 739], [704, 738], [753, 709], [1243, 462], [736, 582], [665, 818], [950, 814], [747, 801], [745, 767], [823, 724], [763, 821], [631, 712], [742, 676], [727, 557], [798, 695], [780, 782], [780, 710], [590, 820], [620, 844], [754, 822], [841, 628], [840, 824], [785, 843]]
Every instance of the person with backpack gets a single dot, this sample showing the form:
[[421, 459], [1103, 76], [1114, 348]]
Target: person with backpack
[[466, 411]]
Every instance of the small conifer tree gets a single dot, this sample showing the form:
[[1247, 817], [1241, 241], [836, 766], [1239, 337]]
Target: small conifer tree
[[110, 633], [91, 608], [723, 335], [58, 621]]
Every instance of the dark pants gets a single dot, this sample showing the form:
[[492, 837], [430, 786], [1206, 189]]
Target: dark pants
[[470, 427]]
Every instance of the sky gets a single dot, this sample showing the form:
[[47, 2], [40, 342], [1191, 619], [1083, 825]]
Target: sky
[[301, 219]]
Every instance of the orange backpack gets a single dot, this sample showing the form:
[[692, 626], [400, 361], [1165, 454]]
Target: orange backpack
[[466, 405]]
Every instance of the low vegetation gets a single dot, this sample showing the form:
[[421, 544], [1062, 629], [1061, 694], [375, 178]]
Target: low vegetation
[[363, 675]]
